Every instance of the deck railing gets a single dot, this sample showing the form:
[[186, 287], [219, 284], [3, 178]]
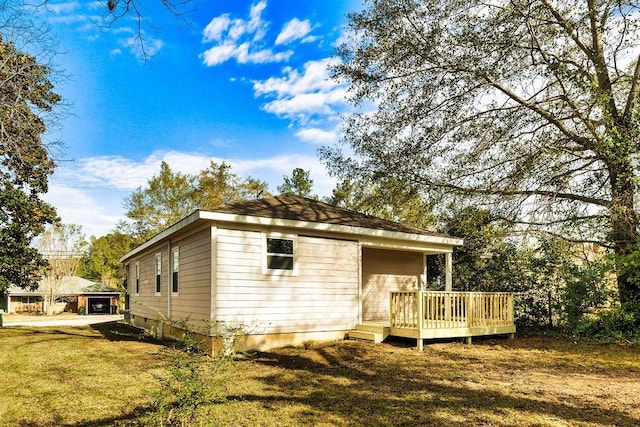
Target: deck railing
[[422, 310]]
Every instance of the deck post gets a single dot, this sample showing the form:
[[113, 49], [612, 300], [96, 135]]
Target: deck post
[[420, 344], [448, 274], [420, 311], [469, 340]]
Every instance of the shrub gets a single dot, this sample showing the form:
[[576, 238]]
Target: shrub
[[619, 324]]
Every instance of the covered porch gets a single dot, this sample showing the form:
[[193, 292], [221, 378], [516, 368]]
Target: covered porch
[[407, 291], [442, 314]]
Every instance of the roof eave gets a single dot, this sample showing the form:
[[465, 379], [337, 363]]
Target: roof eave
[[333, 228], [290, 223]]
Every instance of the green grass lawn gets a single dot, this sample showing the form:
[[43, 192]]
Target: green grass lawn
[[105, 375]]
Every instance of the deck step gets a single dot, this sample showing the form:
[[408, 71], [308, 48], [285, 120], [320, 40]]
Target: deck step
[[365, 336], [372, 327], [370, 332]]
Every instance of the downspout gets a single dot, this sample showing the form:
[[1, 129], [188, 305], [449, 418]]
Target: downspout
[[169, 280], [213, 268], [360, 282]]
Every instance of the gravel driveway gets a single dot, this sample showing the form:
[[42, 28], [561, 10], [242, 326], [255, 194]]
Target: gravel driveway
[[67, 320]]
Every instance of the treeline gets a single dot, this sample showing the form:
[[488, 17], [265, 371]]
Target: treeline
[[557, 283]]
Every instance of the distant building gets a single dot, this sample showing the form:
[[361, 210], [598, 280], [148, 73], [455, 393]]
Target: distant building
[[74, 295]]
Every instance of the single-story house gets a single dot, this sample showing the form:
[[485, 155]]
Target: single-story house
[[73, 294], [285, 270]]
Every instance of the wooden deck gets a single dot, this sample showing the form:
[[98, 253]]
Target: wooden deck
[[436, 314], [427, 314]]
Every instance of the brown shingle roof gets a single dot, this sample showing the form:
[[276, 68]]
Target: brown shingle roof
[[69, 285], [289, 206]]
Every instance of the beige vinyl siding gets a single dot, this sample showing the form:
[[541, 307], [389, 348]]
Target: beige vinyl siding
[[147, 303], [384, 271], [321, 296], [193, 300]]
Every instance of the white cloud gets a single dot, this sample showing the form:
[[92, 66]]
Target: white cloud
[[96, 211], [255, 23], [238, 29], [244, 56], [272, 170], [303, 105], [90, 191], [317, 136], [315, 77], [143, 46], [216, 28], [299, 95], [240, 40], [293, 30], [64, 7], [218, 54]]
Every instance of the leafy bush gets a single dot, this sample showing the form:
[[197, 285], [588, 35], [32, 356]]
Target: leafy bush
[[193, 382], [614, 325]]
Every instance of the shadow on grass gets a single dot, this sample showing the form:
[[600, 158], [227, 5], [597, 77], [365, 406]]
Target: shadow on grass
[[112, 331], [120, 331], [347, 382], [39, 335], [137, 417]]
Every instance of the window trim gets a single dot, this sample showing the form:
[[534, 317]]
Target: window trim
[[158, 275], [136, 267], [175, 272], [279, 271], [31, 299]]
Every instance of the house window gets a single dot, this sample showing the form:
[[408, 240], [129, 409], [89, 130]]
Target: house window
[[29, 299], [175, 269], [158, 272], [280, 254], [137, 267]]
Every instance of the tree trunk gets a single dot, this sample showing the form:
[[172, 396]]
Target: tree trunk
[[624, 231]]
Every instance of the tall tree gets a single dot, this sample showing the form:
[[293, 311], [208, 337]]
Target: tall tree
[[63, 246], [170, 196], [487, 261], [26, 97], [390, 200], [299, 183], [218, 185], [101, 262], [167, 198], [529, 104]]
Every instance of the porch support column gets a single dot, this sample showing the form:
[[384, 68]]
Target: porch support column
[[448, 275]]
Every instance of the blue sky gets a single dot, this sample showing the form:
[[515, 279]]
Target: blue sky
[[244, 82]]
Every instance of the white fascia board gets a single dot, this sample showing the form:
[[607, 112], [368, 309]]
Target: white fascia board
[[429, 249], [189, 219], [409, 239], [333, 228]]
